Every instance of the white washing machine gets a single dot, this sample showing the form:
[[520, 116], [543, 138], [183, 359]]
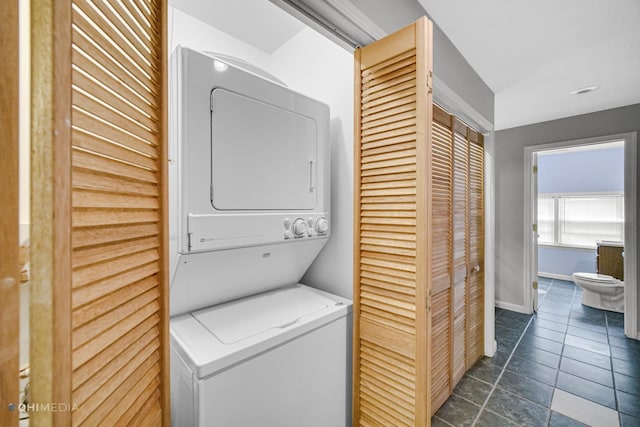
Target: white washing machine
[[276, 359], [249, 212]]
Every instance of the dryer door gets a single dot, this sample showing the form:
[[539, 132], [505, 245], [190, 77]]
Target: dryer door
[[263, 156]]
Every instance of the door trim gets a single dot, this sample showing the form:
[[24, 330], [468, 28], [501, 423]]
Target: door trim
[[630, 223], [9, 218]]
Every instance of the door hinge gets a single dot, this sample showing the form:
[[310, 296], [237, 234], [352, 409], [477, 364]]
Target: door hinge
[[534, 227], [535, 285], [428, 301], [535, 169]]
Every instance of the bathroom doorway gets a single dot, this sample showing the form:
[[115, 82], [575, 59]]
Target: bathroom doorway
[[570, 188]]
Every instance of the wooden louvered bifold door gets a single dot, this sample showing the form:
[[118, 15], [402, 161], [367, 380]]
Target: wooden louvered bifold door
[[441, 317], [460, 247], [475, 287], [111, 96], [392, 253], [458, 224]]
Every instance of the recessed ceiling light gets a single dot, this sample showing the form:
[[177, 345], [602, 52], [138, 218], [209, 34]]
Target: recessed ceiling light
[[584, 90]]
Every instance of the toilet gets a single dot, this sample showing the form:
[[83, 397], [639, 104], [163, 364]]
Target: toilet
[[601, 291]]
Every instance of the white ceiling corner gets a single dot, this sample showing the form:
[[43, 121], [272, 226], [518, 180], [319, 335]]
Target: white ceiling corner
[[256, 22], [532, 54]]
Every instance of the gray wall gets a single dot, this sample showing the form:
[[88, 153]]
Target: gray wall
[[448, 64], [509, 197]]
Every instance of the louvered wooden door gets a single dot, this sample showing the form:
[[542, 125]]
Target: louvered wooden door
[[458, 224], [100, 71], [475, 286], [393, 229], [442, 255], [460, 246]]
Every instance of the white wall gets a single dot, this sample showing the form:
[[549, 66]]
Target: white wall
[[509, 161], [313, 65], [188, 31]]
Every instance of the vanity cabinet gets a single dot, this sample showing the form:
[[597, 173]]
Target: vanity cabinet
[[610, 259]]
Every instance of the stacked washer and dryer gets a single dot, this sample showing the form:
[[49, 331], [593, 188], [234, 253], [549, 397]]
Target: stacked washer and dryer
[[249, 204]]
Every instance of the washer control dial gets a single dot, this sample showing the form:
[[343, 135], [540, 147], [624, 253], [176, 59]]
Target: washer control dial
[[322, 225], [299, 227]]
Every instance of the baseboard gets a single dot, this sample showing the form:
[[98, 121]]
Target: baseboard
[[490, 350], [512, 307], [555, 276]]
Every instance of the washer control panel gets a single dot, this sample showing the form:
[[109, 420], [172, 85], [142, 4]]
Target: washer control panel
[[300, 227]]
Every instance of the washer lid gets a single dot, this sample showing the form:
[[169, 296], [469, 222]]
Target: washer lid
[[595, 277], [238, 320]]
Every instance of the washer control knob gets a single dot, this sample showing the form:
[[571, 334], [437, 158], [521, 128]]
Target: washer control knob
[[322, 225], [299, 227]]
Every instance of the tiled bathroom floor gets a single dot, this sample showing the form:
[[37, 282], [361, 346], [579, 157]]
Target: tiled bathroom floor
[[567, 365]]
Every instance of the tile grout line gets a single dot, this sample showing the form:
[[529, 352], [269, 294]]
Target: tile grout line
[[495, 384]]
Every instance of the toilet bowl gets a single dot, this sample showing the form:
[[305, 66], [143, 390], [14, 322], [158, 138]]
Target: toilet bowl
[[601, 291]]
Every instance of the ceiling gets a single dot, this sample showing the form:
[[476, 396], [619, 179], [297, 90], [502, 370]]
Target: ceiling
[[258, 23], [532, 54]]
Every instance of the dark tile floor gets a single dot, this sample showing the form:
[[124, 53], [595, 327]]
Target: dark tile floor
[[565, 346]]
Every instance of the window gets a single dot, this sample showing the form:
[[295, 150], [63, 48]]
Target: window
[[580, 220], [546, 222]]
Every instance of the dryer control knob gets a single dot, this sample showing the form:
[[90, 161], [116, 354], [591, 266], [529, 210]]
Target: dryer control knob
[[299, 227], [322, 225]]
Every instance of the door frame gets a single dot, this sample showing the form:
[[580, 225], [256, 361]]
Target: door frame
[[630, 222], [9, 218]]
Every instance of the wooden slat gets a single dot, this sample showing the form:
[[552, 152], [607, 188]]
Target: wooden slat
[[99, 325], [91, 179], [400, 75], [100, 342], [124, 347], [86, 102], [441, 340], [132, 385], [93, 199], [122, 91], [102, 49], [86, 294], [106, 148], [139, 349], [144, 411], [138, 46], [108, 217], [109, 130], [116, 42], [108, 268], [96, 254], [84, 237]]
